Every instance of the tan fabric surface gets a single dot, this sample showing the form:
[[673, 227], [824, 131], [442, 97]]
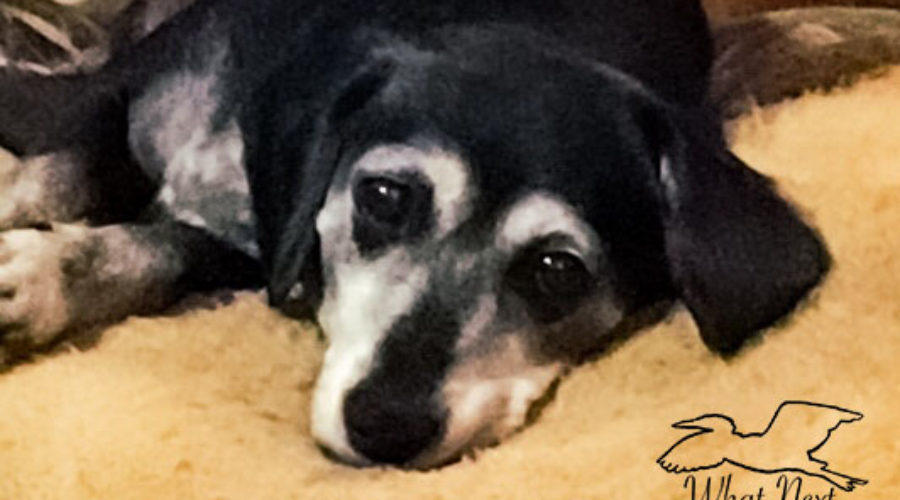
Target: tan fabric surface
[[213, 405]]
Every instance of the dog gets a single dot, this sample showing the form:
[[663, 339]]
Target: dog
[[469, 196]]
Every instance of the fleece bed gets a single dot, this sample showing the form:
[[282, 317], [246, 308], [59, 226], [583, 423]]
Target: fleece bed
[[212, 402]]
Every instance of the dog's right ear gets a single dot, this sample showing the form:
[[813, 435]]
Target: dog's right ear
[[291, 167]]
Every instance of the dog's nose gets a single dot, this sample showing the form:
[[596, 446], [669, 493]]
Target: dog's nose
[[389, 430]]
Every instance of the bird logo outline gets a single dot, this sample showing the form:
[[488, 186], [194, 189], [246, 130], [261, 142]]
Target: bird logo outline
[[738, 447]]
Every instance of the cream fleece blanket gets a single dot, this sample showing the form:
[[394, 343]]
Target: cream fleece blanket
[[213, 404]]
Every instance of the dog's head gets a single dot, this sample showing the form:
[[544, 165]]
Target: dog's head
[[474, 219]]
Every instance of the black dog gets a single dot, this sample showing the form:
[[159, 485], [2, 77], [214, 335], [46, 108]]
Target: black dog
[[471, 195]]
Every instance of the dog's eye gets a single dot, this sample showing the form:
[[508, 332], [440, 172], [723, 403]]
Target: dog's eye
[[390, 209], [551, 282], [383, 200], [561, 274]]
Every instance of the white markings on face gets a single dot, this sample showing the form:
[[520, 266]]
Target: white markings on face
[[497, 375], [355, 315], [540, 215], [363, 299], [446, 171], [488, 395]]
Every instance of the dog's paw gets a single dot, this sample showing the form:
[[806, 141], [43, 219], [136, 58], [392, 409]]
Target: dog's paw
[[34, 307]]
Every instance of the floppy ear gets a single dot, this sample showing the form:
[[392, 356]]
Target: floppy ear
[[739, 254], [289, 190]]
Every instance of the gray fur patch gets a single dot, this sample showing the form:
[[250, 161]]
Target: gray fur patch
[[199, 165], [205, 185]]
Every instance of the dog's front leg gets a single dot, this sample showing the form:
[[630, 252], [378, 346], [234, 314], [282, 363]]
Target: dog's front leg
[[72, 276], [40, 189]]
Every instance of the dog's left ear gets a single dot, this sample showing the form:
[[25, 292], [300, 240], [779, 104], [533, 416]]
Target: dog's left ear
[[308, 159], [740, 256]]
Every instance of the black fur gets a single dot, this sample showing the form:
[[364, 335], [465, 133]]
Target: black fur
[[394, 413], [601, 103], [296, 70]]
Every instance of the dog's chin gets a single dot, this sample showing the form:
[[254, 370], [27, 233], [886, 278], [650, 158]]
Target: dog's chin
[[444, 456], [450, 453]]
